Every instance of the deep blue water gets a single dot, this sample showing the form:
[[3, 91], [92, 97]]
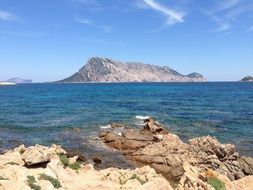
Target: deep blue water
[[48, 113]]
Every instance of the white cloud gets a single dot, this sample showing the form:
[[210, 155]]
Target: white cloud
[[104, 28], [222, 27], [82, 20], [227, 13], [221, 24], [6, 16], [226, 4], [172, 16]]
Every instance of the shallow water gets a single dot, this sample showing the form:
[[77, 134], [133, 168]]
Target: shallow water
[[48, 113]]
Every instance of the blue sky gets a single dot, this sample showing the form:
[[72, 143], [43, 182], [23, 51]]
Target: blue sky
[[47, 40]]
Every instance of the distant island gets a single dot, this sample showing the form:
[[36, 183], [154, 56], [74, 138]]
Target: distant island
[[247, 79], [14, 81], [19, 80], [100, 69]]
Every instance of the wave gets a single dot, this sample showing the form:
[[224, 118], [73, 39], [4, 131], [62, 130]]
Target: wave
[[141, 117], [105, 127]]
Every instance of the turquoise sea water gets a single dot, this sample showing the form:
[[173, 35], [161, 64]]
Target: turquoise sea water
[[48, 113]]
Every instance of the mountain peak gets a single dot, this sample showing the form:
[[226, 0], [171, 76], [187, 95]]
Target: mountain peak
[[102, 69]]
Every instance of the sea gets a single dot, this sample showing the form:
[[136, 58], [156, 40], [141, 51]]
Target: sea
[[72, 115]]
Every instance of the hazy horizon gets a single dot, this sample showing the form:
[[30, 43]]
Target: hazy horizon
[[48, 41]]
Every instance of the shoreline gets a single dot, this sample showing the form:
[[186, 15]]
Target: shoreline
[[153, 151]]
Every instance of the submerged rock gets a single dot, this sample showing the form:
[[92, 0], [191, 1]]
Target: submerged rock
[[73, 153], [97, 160]]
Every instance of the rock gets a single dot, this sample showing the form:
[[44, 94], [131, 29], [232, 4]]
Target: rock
[[137, 135], [245, 183], [112, 137], [144, 178], [219, 157], [153, 126], [97, 160], [246, 164], [132, 144], [210, 145], [191, 180], [166, 153], [80, 157], [36, 154], [102, 134], [116, 125], [158, 138], [77, 130], [56, 150]]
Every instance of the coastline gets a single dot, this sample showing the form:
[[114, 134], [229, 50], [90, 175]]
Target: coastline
[[145, 147]]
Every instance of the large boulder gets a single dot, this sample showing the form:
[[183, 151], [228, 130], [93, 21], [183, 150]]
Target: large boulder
[[40, 154]]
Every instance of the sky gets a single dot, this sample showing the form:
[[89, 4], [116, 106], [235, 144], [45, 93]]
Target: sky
[[48, 40]]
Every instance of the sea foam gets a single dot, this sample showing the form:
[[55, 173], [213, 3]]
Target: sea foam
[[106, 127], [141, 117]]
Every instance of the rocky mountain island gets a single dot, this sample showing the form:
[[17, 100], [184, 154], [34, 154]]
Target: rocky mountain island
[[247, 79], [99, 69]]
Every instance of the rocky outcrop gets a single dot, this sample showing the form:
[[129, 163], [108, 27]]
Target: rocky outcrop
[[15, 175], [107, 70], [166, 153], [197, 165], [247, 79], [65, 173]]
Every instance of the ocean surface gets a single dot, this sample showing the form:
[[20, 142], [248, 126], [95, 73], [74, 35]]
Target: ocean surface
[[72, 114]]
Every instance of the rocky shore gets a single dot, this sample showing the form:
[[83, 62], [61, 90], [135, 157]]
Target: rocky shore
[[162, 161], [47, 168], [184, 165]]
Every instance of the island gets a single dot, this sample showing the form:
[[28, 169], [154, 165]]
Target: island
[[99, 69], [247, 79], [19, 80]]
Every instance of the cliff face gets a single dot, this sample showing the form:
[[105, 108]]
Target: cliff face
[[107, 70]]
